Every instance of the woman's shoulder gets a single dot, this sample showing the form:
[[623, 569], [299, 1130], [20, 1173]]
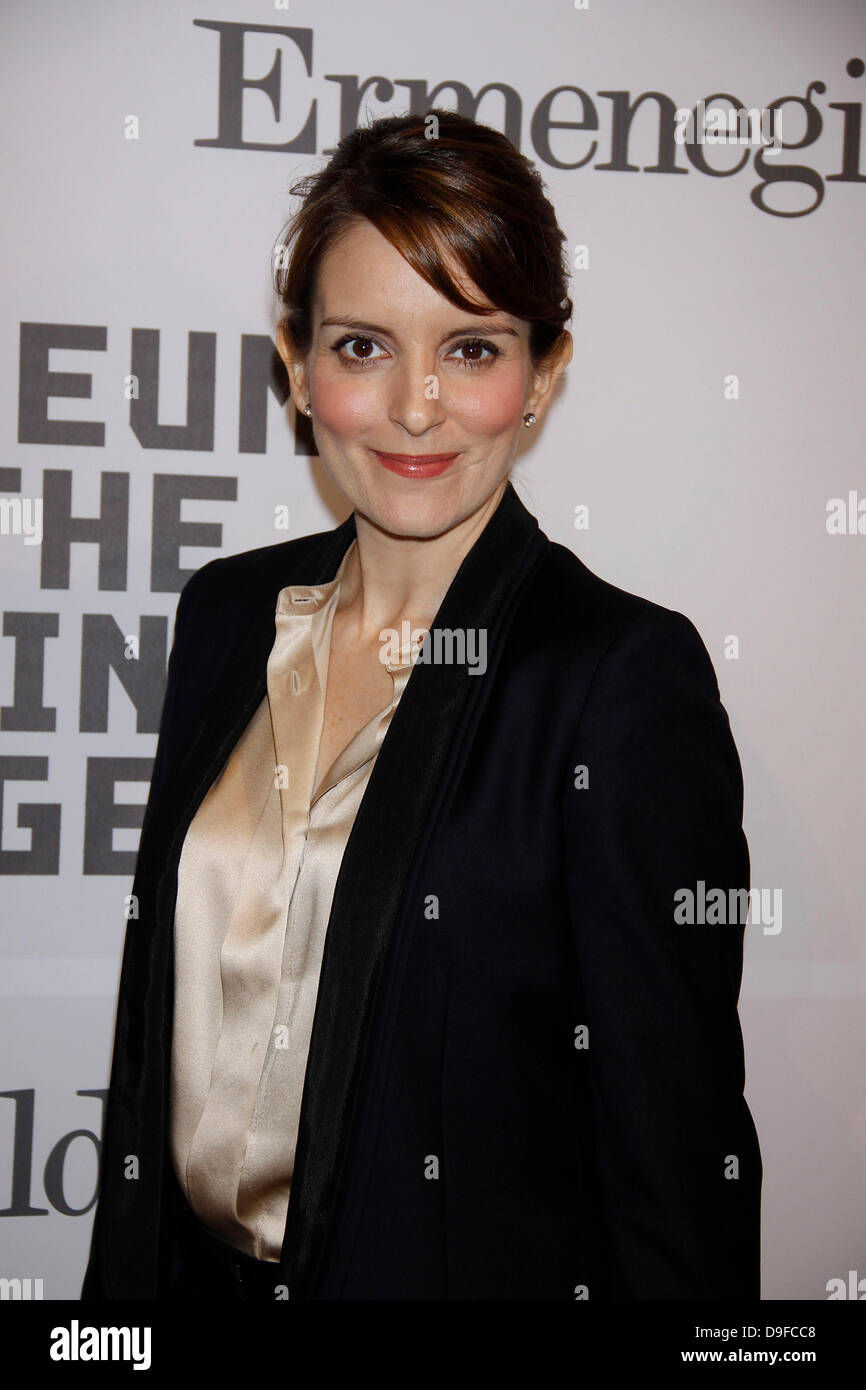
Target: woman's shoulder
[[585, 606], [248, 578], [584, 625]]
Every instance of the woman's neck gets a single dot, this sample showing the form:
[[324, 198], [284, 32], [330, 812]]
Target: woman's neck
[[389, 579]]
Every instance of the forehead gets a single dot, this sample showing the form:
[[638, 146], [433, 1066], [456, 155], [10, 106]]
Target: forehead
[[361, 271]]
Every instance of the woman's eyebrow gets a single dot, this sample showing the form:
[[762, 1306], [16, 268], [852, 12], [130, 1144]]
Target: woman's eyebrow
[[491, 327]]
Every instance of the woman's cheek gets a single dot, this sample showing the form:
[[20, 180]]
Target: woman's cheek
[[344, 407], [491, 406]]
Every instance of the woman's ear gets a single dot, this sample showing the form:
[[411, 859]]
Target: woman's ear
[[295, 368], [548, 373]]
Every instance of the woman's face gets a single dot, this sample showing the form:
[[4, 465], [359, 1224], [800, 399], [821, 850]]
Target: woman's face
[[395, 369]]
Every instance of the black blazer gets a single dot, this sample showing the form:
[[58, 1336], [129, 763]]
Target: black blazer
[[525, 1079]]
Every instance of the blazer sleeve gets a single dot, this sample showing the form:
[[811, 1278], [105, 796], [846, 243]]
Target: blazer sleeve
[[167, 749], [679, 1160]]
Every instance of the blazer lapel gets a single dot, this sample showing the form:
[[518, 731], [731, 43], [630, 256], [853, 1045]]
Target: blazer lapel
[[410, 767]]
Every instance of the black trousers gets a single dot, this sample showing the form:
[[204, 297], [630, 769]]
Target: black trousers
[[205, 1267]]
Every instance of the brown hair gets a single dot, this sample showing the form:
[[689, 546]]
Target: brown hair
[[468, 191]]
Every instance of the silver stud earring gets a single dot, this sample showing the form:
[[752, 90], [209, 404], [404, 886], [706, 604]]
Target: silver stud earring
[[529, 420], [308, 409]]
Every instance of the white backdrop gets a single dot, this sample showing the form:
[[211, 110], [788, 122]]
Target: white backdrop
[[712, 411]]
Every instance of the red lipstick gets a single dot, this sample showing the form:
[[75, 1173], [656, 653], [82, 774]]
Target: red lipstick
[[416, 465]]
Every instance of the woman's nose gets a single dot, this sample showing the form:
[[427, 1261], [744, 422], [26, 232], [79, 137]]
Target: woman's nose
[[415, 402]]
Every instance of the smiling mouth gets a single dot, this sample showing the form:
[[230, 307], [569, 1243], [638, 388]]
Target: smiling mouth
[[416, 458], [416, 465]]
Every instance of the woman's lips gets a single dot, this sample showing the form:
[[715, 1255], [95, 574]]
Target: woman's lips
[[416, 465]]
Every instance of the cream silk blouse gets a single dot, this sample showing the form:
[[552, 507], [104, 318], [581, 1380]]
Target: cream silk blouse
[[256, 879]]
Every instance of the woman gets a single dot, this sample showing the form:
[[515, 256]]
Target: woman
[[408, 1012]]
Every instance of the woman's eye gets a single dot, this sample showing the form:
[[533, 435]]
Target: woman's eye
[[476, 347], [353, 358]]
